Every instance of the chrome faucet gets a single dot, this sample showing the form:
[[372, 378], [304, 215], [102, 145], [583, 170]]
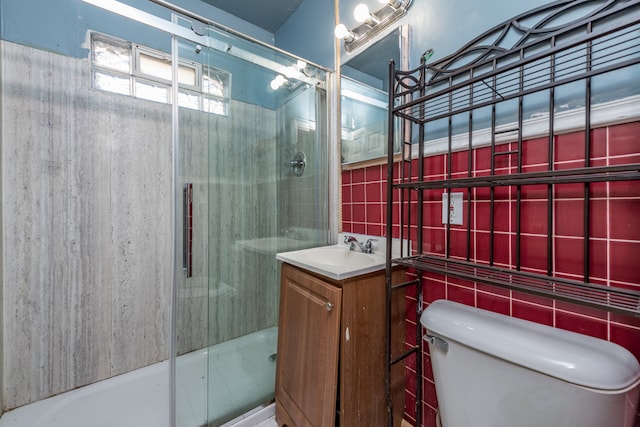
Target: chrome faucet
[[365, 247]]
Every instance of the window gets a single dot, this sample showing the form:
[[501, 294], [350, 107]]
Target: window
[[130, 69], [216, 85]]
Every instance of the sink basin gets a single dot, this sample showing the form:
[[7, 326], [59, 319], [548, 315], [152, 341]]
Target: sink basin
[[336, 262], [336, 256]]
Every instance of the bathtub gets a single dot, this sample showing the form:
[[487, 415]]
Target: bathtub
[[241, 375], [137, 398]]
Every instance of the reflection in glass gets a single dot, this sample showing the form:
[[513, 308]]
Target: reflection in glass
[[364, 121], [364, 99]]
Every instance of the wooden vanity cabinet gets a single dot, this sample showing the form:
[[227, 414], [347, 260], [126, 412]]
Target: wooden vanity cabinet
[[331, 351]]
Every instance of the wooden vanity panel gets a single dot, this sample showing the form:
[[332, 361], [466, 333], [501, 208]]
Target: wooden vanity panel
[[362, 351], [359, 342], [306, 374]]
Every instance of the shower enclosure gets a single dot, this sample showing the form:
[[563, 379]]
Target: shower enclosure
[[252, 181], [153, 164]]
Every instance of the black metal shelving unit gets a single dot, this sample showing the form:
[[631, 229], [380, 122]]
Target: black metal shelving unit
[[487, 86]]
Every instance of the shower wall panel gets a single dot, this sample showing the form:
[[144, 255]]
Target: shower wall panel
[[302, 199], [86, 227], [242, 207], [230, 160], [192, 292]]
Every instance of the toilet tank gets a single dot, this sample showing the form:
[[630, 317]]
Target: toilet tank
[[492, 370]]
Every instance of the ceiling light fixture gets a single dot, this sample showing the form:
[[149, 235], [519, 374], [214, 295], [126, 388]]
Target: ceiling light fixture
[[371, 23]]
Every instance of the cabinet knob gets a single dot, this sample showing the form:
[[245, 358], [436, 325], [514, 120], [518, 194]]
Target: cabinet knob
[[329, 306]]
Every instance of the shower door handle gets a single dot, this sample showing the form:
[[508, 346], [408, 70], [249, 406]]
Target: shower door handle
[[187, 229]]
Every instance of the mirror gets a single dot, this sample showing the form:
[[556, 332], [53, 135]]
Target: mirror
[[364, 98]]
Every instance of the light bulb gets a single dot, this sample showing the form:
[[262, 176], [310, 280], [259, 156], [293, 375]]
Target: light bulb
[[341, 31], [278, 82], [361, 13]]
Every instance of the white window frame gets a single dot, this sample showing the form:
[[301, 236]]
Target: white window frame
[[136, 75]]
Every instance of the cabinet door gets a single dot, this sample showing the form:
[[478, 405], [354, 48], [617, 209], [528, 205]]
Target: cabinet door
[[307, 367]]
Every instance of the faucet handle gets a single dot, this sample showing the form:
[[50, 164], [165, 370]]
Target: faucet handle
[[368, 245], [350, 239]]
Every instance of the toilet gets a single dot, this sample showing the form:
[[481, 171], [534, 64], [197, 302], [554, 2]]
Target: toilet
[[492, 370]]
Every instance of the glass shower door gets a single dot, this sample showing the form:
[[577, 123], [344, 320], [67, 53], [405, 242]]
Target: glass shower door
[[252, 182], [191, 127]]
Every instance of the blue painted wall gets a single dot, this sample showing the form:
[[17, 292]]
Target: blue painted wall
[[308, 33], [226, 19], [61, 26], [444, 25]]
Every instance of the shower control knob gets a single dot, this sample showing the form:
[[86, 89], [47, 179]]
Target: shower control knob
[[328, 306], [298, 163]]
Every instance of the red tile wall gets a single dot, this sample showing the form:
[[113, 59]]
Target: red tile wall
[[614, 228]]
